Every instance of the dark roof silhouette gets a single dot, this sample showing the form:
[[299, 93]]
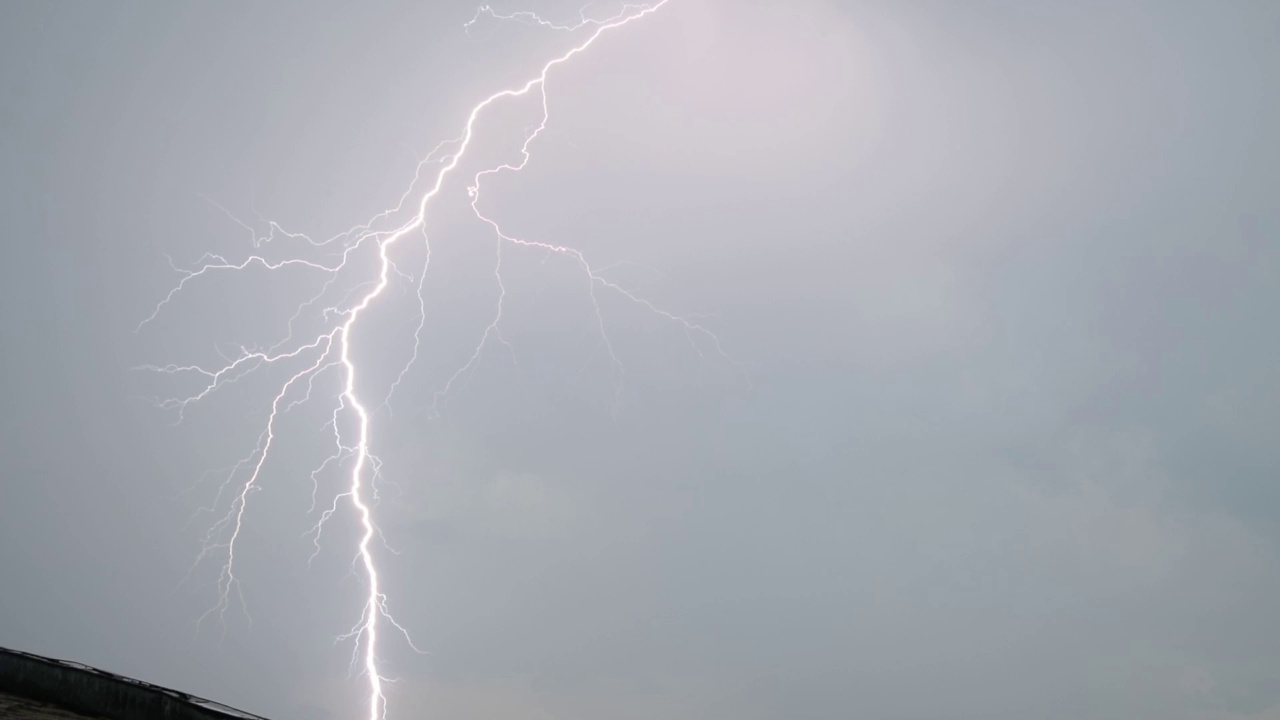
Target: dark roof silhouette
[[40, 688]]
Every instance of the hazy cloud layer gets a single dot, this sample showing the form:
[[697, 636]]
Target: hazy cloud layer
[[1002, 273]]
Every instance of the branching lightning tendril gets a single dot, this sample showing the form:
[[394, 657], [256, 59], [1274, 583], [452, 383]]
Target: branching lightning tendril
[[329, 351]]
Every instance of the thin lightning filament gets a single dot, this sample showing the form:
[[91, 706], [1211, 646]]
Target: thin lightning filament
[[333, 351]]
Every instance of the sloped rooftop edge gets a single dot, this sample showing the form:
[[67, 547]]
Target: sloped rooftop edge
[[96, 693]]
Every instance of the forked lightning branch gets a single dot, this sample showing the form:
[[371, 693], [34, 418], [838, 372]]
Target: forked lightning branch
[[331, 350]]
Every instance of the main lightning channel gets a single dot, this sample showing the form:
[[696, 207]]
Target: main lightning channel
[[318, 354], [374, 606]]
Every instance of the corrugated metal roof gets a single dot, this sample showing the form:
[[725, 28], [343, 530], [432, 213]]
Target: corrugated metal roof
[[42, 688]]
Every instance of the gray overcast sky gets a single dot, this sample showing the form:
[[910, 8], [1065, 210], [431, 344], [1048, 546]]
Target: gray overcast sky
[[1003, 274]]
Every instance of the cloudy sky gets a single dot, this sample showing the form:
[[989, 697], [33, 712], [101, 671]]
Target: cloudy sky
[[1001, 275]]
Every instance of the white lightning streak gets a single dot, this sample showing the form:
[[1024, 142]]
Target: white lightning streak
[[333, 347]]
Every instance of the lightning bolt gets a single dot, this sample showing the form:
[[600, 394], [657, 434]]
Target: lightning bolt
[[329, 351]]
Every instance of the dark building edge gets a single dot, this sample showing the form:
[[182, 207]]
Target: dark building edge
[[100, 694]]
